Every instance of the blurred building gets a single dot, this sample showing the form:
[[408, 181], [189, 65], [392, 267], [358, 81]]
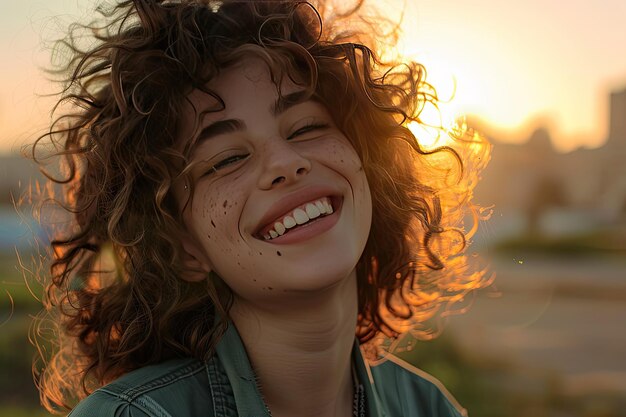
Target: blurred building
[[539, 189]]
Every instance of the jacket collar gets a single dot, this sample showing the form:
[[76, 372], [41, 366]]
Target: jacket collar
[[248, 398], [234, 359], [364, 374]]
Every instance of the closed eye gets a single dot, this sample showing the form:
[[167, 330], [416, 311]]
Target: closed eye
[[308, 128], [225, 162]]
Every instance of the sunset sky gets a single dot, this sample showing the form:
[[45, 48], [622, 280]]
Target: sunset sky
[[517, 64]]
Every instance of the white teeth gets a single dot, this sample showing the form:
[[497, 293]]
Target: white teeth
[[289, 222], [300, 216], [320, 206], [280, 228], [312, 211]]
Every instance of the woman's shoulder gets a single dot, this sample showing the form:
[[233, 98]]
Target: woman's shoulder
[[162, 389], [412, 391]]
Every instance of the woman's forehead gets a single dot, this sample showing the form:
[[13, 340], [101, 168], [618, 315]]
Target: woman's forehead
[[234, 85], [246, 77]]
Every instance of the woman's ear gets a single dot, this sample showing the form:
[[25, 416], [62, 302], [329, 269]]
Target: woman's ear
[[195, 264]]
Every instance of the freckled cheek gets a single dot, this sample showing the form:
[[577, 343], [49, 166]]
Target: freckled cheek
[[217, 214], [341, 154], [349, 163]]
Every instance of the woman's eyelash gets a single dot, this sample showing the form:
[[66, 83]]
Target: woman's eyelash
[[225, 162], [308, 128]]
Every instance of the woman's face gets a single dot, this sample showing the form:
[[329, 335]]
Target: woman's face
[[261, 166]]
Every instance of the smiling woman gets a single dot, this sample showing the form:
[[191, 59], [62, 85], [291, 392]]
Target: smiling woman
[[262, 173], [253, 220]]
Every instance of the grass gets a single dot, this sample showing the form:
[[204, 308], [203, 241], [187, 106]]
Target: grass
[[16, 355], [20, 291], [18, 394], [21, 411], [599, 243]]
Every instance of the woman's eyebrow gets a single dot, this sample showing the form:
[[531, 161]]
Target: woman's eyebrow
[[221, 127], [217, 128], [283, 103]]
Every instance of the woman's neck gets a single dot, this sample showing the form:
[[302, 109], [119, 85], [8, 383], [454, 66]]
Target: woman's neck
[[300, 350]]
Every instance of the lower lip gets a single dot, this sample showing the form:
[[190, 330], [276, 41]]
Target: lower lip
[[309, 230]]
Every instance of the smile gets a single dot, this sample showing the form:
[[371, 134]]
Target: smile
[[297, 217]]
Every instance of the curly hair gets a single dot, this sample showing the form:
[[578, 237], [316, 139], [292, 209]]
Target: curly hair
[[114, 292]]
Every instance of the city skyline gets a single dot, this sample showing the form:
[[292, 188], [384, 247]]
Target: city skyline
[[517, 66]]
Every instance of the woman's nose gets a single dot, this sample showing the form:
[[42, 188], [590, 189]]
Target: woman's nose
[[282, 163]]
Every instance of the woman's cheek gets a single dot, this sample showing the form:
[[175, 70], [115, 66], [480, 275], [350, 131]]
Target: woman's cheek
[[340, 153], [349, 163], [216, 211], [218, 215]]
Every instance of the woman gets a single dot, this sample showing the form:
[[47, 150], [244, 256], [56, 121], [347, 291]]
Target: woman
[[247, 198]]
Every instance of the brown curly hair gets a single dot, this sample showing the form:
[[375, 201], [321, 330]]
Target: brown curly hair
[[114, 293]]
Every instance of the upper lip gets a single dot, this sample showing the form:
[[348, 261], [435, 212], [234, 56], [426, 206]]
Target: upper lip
[[291, 201]]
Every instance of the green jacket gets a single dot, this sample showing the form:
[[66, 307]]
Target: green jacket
[[225, 386]]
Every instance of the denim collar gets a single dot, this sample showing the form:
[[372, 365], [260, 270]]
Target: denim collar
[[248, 398]]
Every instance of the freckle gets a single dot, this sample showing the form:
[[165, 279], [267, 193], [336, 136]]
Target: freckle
[[254, 279], [278, 253], [209, 236], [341, 160], [270, 288], [224, 203], [212, 223], [224, 212], [260, 253]]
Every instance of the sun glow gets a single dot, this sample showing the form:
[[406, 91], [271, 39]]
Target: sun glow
[[440, 119], [436, 122]]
